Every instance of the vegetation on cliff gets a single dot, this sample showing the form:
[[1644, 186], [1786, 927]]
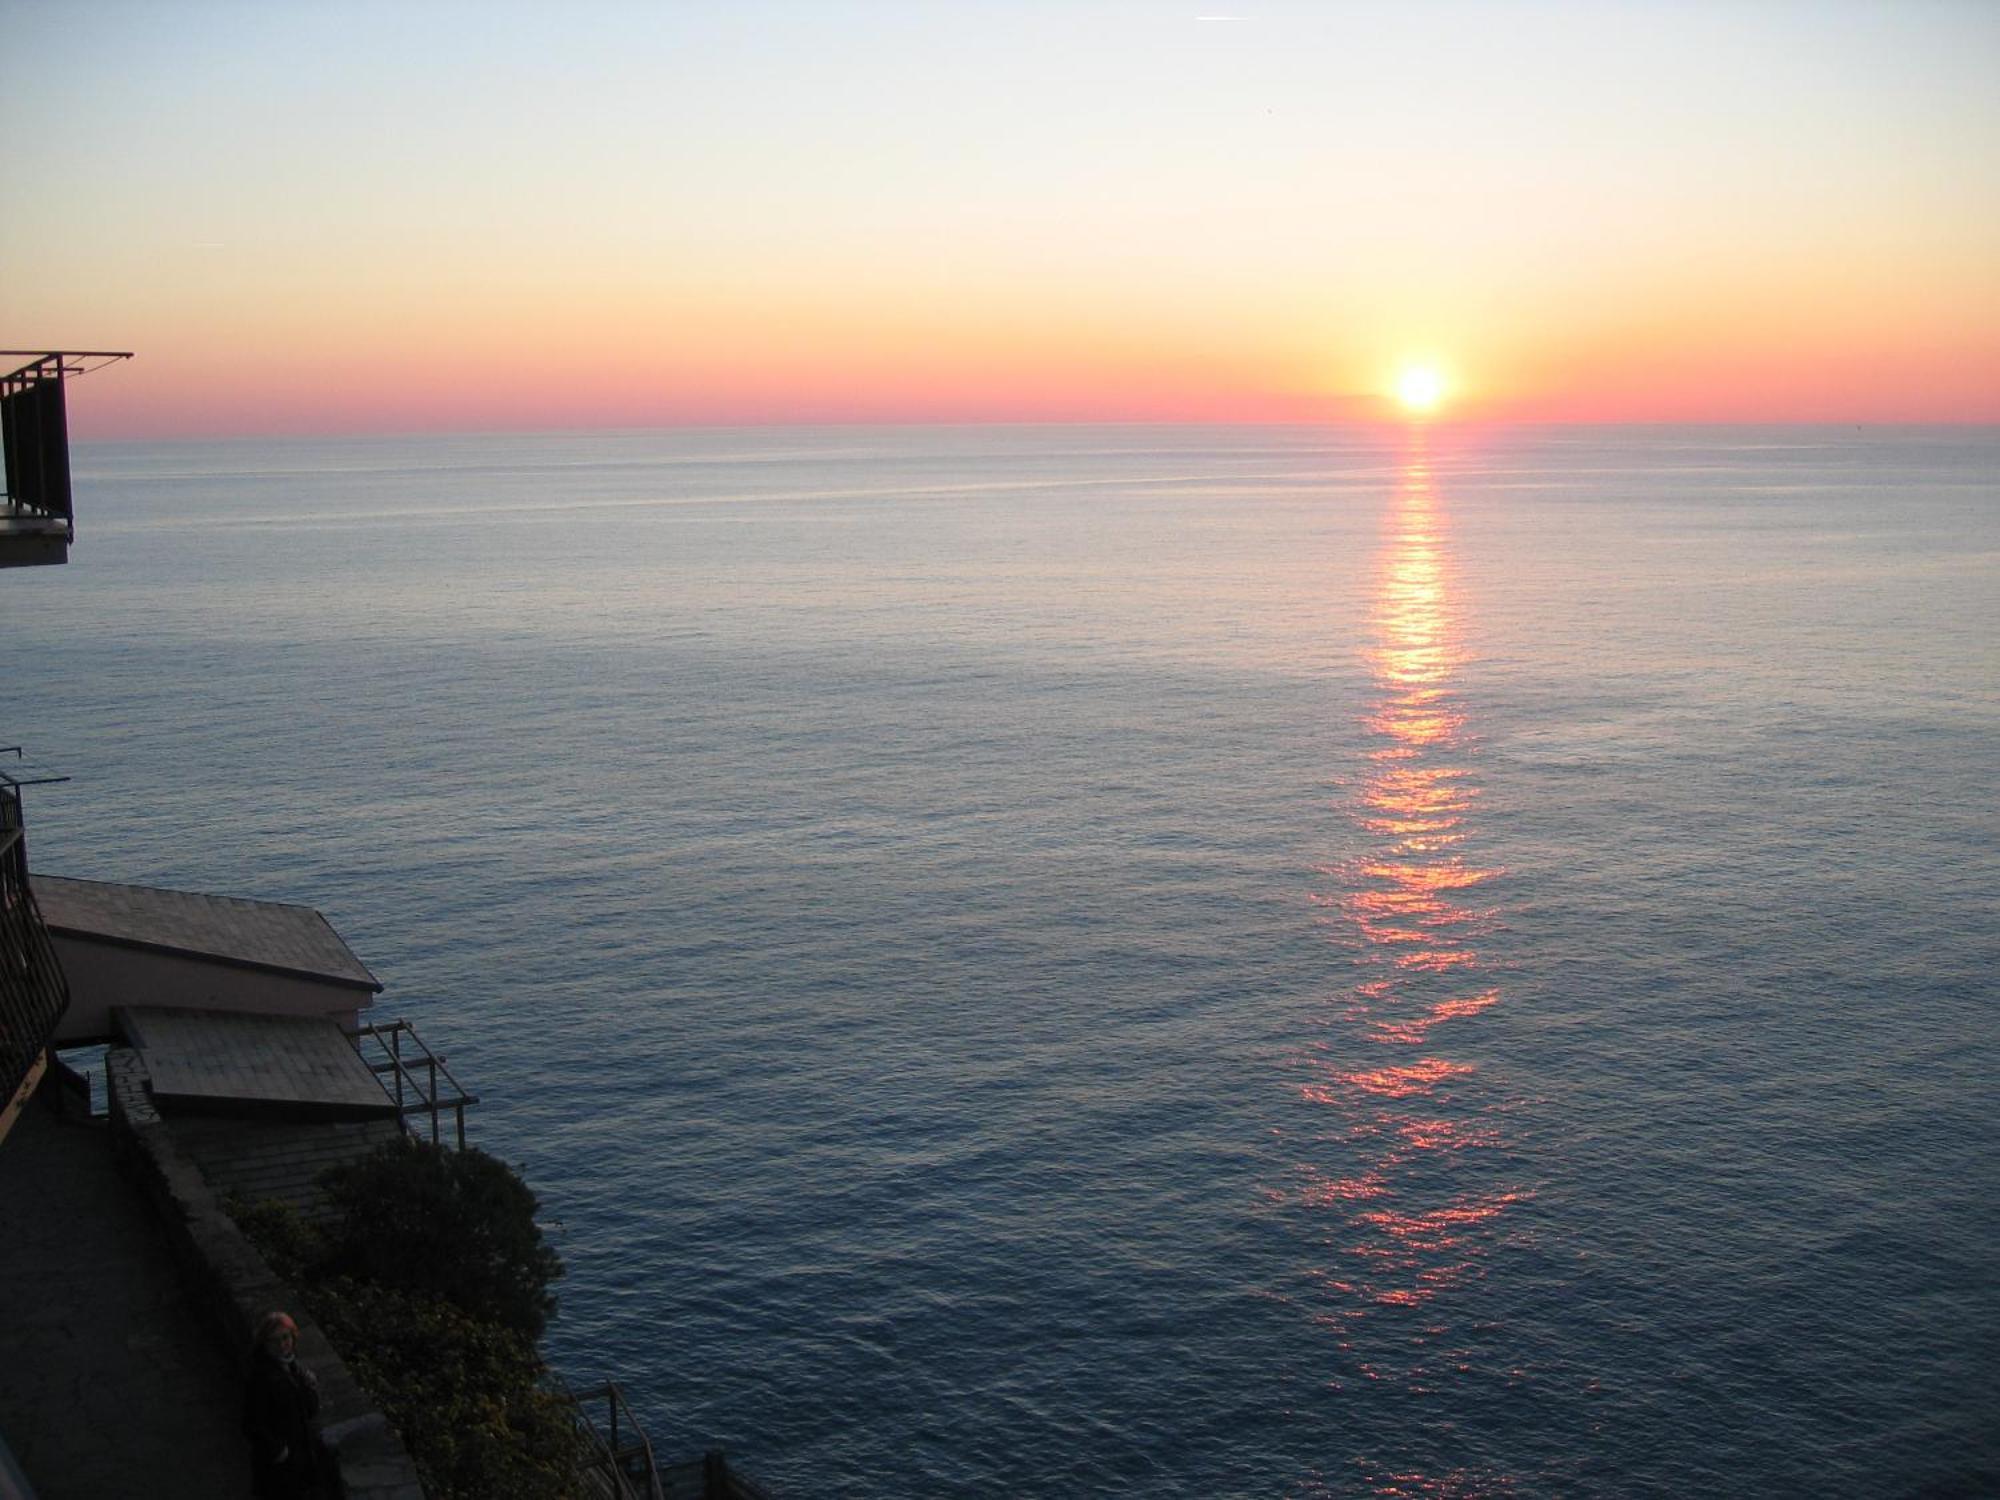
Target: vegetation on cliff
[[432, 1280]]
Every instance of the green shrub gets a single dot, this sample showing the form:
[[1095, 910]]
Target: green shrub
[[458, 1225], [463, 1392], [288, 1243], [432, 1282]]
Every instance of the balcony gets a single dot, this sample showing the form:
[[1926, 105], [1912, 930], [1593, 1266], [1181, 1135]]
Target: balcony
[[33, 992], [36, 518]]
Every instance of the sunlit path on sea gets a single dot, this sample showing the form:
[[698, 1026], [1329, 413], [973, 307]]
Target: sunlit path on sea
[[1413, 1204]]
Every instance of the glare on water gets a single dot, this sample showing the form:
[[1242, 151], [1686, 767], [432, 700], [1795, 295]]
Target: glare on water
[[1415, 1218]]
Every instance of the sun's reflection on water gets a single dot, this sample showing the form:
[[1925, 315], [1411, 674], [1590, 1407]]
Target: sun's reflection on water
[[1411, 1215]]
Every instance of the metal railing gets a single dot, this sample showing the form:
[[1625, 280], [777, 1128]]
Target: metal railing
[[33, 992], [619, 1460], [400, 1054], [620, 1464], [708, 1478]]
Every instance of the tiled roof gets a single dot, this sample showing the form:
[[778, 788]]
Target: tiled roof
[[223, 929]]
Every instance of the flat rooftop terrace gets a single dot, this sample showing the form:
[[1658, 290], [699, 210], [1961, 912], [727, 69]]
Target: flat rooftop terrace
[[241, 1062]]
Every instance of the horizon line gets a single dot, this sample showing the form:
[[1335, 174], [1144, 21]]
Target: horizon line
[[1346, 424]]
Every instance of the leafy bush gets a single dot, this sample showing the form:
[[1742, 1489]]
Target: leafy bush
[[458, 1225], [289, 1245], [463, 1392], [432, 1282]]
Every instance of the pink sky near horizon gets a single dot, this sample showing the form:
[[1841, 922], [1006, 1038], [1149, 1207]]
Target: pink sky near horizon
[[356, 218]]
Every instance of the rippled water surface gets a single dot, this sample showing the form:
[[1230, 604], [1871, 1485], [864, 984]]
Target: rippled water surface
[[1182, 962]]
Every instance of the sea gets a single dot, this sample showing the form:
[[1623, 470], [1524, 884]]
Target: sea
[[1134, 960]]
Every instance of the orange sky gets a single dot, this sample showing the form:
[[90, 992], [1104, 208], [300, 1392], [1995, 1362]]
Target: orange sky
[[359, 218]]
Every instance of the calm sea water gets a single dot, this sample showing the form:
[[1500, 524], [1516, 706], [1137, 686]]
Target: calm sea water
[[1262, 962]]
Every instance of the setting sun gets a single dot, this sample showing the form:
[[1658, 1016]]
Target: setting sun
[[1421, 388]]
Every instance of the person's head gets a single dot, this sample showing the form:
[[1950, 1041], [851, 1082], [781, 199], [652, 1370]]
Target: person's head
[[277, 1334]]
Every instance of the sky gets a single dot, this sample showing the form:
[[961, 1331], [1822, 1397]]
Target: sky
[[335, 217]]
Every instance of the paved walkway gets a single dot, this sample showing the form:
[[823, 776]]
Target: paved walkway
[[109, 1386]]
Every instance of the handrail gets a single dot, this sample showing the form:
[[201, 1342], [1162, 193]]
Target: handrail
[[623, 1464], [709, 1478], [630, 1468], [33, 992]]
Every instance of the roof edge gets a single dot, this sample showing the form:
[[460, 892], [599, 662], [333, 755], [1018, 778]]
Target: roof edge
[[370, 986]]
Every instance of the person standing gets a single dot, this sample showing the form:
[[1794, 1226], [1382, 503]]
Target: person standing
[[278, 1410]]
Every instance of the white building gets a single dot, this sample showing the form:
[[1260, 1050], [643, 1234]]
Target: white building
[[137, 945]]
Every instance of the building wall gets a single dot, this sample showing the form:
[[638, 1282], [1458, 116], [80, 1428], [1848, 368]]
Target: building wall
[[102, 975]]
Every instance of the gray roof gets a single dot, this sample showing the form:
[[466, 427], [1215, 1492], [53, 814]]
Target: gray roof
[[217, 1058], [222, 929]]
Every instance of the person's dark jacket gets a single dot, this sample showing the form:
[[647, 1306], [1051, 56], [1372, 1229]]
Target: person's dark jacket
[[278, 1411]]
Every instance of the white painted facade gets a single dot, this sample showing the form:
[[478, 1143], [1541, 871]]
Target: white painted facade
[[105, 974]]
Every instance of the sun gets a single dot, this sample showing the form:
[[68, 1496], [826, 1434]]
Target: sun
[[1421, 389]]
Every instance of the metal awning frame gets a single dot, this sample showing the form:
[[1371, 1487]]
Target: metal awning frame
[[55, 364]]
